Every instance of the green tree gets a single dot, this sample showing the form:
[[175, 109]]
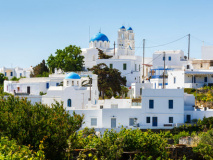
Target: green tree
[[102, 55], [108, 78], [2, 78], [68, 59], [40, 70], [9, 150], [33, 124]]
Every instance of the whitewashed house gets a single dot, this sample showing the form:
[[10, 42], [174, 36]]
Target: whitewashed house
[[16, 72], [190, 78]]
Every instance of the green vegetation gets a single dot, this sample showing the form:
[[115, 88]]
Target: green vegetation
[[40, 70], [102, 55], [2, 78], [31, 124], [68, 59], [9, 149], [109, 80]]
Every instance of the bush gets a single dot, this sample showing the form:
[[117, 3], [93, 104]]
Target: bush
[[30, 124], [10, 150], [205, 146], [181, 134]]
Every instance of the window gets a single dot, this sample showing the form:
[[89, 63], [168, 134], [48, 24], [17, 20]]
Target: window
[[174, 80], [101, 106], [93, 121], [131, 122], [72, 83], [57, 84], [201, 65], [147, 119], [77, 83], [139, 68], [111, 66], [151, 104], [169, 58], [170, 104], [135, 67], [124, 66], [5, 73], [67, 83], [187, 67], [163, 58], [170, 119], [205, 79], [11, 73], [69, 103], [140, 91], [20, 74], [47, 85]]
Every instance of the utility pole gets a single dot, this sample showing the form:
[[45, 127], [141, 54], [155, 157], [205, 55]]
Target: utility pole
[[114, 48], [143, 57], [188, 45], [90, 82], [164, 59]]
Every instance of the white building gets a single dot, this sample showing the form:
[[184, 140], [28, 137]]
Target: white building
[[207, 52], [160, 109], [16, 72], [190, 78], [73, 94], [123, 59]]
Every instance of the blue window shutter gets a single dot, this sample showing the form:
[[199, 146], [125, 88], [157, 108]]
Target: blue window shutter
[[47, 85], [69, 103], [151, 104], [170, 104]]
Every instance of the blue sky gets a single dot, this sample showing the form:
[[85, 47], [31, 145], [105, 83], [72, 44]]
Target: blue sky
[[30, 30]]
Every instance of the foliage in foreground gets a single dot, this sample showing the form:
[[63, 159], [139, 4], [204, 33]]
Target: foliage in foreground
[[31, 124], [113, 145], [205, 146], [10, 150]]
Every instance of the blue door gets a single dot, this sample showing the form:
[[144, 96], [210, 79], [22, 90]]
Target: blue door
[[154, 121], [188, 118]]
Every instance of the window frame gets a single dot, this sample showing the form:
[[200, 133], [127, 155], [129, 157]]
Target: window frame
[[132, 121], [148, 119], [151, 100], [96, 122], [171, 119], [171, 100], [124, 66], [69, 103]]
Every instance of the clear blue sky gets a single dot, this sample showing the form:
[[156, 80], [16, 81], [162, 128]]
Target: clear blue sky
[[30, 30]]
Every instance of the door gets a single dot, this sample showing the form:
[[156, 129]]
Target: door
[[154, 121], [28, 89], [188, 118], [113, 122]]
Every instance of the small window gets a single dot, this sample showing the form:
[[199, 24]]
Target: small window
[[57, 84], [69, 103], [124, 66], [72, 83], [139, 68], [169, 58], [135, 67], [140, 91], [147, 119], [67, 83], [205, 79], [163, 58], [151, 104], [93, 121], [170, 104], [77, 83], [174, 80], [187, 67], [170, 119], [5, 73], [201, 65], [20, 74], [111, 66], [47, 85], [11, 73], [131, 122], [101, 106]]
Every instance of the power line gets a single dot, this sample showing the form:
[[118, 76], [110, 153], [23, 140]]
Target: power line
[[165, 43], [201, 40]]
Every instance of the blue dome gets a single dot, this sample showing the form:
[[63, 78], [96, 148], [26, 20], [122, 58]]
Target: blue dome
[[122, 27], [72, 75], [130, 28], [99, 37]]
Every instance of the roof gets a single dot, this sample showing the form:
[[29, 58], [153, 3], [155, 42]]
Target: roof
[[99, 37], [199, 72], [122, 27], [130, 29], [72, 75]]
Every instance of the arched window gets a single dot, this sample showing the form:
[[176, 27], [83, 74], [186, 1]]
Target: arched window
[[69, 103]]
